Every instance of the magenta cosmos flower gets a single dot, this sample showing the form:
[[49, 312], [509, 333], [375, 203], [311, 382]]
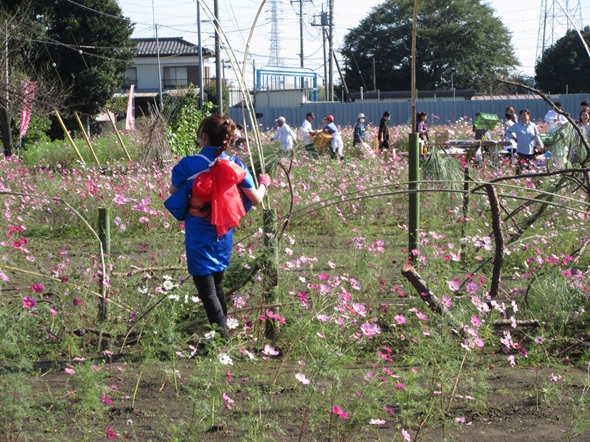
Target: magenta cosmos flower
[[29, 302]]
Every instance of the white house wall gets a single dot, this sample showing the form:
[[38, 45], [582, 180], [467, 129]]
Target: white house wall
[[147, 70]]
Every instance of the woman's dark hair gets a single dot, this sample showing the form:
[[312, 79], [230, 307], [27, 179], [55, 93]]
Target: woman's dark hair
[[219, 130], [386, 114], [583, 112], [419, 115], [524, 111]]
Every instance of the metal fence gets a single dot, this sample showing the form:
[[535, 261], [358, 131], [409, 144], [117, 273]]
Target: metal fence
[[440, 112]]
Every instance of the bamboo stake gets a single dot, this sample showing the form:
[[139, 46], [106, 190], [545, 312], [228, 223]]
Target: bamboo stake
[[271, 276], [118, 135], [63, 126], [86, 137]]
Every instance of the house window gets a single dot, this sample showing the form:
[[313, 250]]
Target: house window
[[175, 77], [130, 78]]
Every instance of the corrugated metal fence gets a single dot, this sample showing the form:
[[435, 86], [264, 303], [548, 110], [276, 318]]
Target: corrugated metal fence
[[439, 112]]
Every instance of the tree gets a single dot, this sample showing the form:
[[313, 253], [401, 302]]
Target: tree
[[87, 43], [16, 37], [565, 65], [460, 44]]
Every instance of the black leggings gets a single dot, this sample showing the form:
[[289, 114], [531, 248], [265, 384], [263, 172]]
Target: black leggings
[[210, 288]]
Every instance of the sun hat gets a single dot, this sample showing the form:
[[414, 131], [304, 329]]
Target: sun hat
[[329, 118], [361, 115], [281, 119]]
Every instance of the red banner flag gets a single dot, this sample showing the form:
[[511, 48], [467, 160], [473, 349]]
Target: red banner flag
[[28, 88], [130, 117]]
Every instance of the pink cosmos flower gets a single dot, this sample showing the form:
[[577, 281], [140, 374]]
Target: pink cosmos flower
[[476, 321], [400, 319], [446, 301], [421, 316], [269, 351], [76, 301], [29, 302], [301, 378], [339, 412], [377, 422], [53, 311], [106, 400], [111, 434], [70, 370], [323, 277], [400, 386], [370, 330], [37, 288], [406, 435]]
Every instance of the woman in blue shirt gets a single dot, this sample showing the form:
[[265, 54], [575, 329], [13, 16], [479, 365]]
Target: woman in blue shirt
[[209, 245]]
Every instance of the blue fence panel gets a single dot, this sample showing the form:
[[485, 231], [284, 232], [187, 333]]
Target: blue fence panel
[[439, 112]]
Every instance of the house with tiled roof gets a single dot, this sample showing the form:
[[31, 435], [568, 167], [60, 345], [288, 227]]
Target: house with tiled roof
[[171, 60]]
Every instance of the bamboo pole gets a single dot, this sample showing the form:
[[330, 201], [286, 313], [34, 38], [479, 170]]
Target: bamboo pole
[[118, 135], [104, 234], [63, 126], [86, 137], [271, 273], [413, 156]]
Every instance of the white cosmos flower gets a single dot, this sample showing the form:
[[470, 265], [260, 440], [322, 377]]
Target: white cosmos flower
[[210, 335], [168, 285], [232, 323], [141, 289], [224, 359], [174, 297]]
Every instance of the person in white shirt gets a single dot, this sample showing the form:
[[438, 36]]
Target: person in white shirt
[[285, 134], [526, 134], [307, 134], [555, 119]]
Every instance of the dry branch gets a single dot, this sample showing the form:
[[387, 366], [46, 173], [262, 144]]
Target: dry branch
[[499, 240]]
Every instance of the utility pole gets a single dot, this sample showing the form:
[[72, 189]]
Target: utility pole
[[200, 43], [300, 34], [323, 23], [218, 74], [331, 55]]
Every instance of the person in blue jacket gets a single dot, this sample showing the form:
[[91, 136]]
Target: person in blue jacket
[[207, 251]]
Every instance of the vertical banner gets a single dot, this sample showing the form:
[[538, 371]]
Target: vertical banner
[[130, 114], [28, 89]]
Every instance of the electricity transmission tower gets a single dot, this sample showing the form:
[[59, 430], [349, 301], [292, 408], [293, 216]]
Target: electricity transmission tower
[[274, 59], [557, 17]]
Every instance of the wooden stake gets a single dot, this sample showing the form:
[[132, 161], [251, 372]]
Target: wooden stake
[[86, 137], [63, 126], [118, 135]]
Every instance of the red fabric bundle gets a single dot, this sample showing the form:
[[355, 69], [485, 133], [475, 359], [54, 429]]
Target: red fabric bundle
[[218, 186]]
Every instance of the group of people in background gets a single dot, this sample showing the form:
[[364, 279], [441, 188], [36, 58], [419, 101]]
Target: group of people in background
[[522, 134], [287, 137]]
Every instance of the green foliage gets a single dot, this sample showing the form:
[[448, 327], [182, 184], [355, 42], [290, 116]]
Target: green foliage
[[211, 90], [37, 131], [564, 66], [462, 40], [93, 74], [183, 123]]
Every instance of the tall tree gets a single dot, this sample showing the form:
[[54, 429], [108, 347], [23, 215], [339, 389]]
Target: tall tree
[[460, 43], [565, 66], [87, 43]]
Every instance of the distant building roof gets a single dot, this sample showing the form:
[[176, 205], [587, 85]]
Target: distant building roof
[[147, 47]]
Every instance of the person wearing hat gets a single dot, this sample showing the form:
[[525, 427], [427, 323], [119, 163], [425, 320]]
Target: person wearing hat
[[307, 134], [359, 130], [285, 134], [337, 144]]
